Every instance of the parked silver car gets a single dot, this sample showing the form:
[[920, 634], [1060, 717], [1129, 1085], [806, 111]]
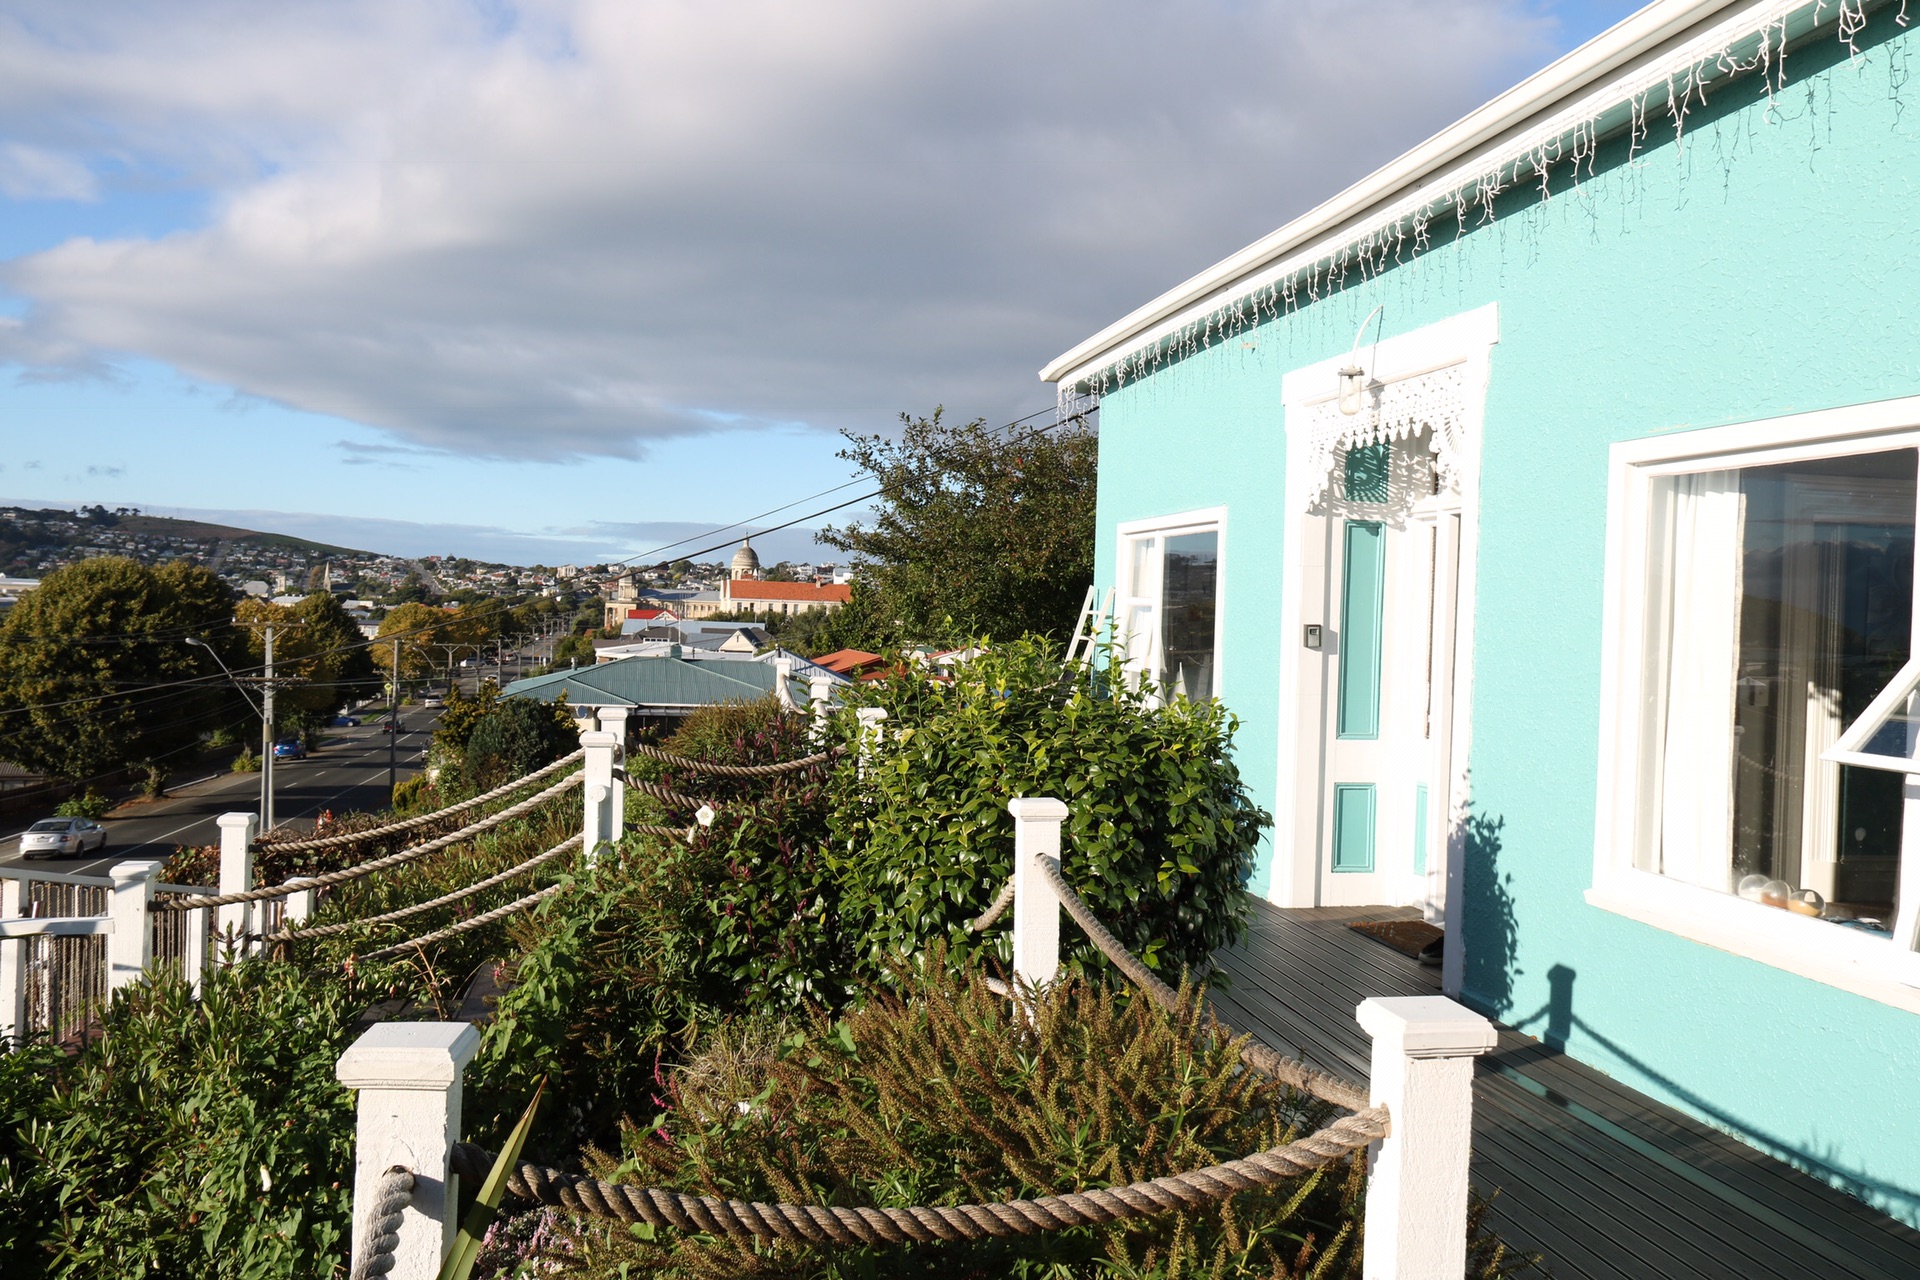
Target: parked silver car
[[52, 837]]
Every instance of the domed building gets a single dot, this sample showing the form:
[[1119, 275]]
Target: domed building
[[746, 563]]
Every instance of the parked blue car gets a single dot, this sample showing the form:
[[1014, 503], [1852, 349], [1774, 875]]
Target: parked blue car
[[289, 749], [344, 721]]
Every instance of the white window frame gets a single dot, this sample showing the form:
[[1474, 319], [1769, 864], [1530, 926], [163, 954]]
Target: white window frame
[[1143, 660], [1881, 969]]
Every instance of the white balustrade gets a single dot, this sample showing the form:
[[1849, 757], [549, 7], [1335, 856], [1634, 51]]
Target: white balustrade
[[130, 908], [1036, 911], [13, 968], [598, 825], [1422, 1073], [408, 1075], [614, 721], [233, 921]]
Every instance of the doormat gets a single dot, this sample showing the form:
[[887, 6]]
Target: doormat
[[1416, 938]]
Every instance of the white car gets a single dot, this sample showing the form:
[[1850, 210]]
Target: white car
[[54, 837]]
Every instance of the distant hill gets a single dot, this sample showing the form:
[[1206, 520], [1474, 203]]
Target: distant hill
[[34, 541], [168, 527]]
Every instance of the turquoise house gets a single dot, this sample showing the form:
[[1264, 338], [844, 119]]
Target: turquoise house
[[1544, 506]]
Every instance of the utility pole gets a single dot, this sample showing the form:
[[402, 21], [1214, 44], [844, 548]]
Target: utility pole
[[393, 725], [266, 742]]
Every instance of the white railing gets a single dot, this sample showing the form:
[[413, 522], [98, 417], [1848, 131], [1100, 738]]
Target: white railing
[[67, 942], [409, 1078]]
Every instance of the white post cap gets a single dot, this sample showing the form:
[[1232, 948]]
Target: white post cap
[[1425, 1026], [408, 1055], [1037, 808]]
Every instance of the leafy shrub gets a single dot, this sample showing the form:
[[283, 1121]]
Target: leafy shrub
[[221, 738], [194, 864], [1160, 834], [89, 804], [204, 1138], [940, 1095], [248, 761], [485, 740]]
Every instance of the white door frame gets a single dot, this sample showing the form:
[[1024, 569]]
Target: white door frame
[[1467, 339]]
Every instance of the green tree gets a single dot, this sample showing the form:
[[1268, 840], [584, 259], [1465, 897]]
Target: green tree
[[315, 644], [83, 656], [977, 532]]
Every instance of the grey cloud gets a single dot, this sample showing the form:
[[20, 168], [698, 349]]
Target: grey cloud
[[693, 216], [104, 471]]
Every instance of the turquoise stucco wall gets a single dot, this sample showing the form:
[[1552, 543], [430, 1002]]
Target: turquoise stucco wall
[[1762, 267]]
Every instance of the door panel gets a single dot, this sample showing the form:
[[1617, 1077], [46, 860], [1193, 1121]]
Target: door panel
[[1376, 698]]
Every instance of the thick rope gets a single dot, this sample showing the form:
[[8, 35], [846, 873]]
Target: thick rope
[[484, 918], [408, 824], [665, 796], [391, 1196], [326, 878], [651, 829], [1321, 1085], [985, 919], [827, 1224], [717, 770], [328, 930]]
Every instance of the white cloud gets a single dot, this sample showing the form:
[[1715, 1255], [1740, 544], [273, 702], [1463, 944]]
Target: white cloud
[[595, 222], [33, 173]]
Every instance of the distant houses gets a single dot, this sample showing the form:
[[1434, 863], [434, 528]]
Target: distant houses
[[744, 591]]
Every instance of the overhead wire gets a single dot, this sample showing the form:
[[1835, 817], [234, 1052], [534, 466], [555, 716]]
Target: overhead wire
[[502, 605]]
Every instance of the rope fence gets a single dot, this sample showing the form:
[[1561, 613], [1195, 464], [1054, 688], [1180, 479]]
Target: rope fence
[[663, 795], [445, 899], [326, 878], [715, 770], [831, 1224], [986, 918], [1328, 1088], [392, 1195], [421, 820], [455, 930]]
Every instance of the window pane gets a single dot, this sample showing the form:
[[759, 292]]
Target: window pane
[[1783, 604], [1827, 622], [1191, 581]]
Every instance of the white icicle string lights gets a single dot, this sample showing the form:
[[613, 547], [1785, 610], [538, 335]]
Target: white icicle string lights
[[1571, 136]]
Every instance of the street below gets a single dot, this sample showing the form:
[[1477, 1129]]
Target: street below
[[347, 772]]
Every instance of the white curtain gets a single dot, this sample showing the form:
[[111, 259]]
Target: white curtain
[[1706, 526]]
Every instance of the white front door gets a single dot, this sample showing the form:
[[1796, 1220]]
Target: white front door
[[1381, 567]]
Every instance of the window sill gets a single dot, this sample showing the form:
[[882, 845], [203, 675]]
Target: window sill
[[1814, 949]]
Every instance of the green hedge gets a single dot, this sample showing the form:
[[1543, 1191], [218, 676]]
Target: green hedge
[[1160, 836]]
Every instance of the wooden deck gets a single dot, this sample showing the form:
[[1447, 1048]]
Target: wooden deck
[[1603, 1182]]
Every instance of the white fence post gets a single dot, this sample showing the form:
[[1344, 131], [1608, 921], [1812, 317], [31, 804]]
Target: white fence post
[[237, 832], [408, 1075], [1036, 911], [1423, 1052], [873, 723], [193, 955], [597, 826], [614, 721], [299, 905], [130, 945], [783, 682], [13, 970]]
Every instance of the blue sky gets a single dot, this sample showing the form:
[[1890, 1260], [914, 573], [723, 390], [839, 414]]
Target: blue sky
[[568, 279]]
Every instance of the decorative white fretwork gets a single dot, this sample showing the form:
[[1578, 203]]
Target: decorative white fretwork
[[1394, 410]]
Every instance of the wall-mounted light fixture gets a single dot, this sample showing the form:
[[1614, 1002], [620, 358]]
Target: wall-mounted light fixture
[[1353, 378]]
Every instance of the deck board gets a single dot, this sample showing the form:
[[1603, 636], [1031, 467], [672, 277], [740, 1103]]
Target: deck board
[[1600, 1180]]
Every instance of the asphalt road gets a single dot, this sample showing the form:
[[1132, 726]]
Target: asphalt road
[[347, 772]]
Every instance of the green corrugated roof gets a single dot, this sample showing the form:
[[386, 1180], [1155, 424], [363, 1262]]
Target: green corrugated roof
[[656, 682]]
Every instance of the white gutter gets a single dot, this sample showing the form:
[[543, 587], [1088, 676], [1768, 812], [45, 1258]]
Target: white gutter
[[1661, 27]]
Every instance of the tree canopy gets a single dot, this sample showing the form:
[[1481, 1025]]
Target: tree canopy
[[317, 645], [84, 656], [977, 531]]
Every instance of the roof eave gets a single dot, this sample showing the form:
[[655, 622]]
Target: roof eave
[[1612, 51]]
